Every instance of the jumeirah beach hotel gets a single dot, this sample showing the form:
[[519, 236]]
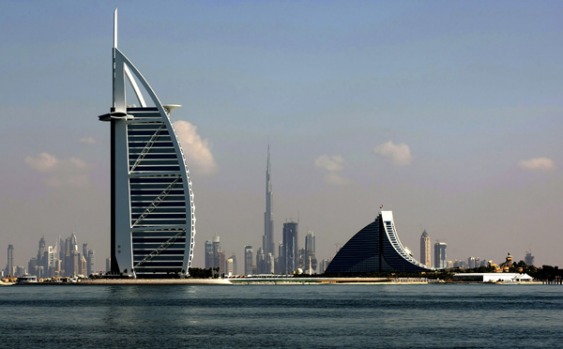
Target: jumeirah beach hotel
[[375, 249]]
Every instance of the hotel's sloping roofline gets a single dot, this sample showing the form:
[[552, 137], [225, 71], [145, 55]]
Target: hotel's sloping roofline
[[375, 249], [152, 209]]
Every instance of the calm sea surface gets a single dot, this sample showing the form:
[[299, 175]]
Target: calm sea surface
[[316, 316]]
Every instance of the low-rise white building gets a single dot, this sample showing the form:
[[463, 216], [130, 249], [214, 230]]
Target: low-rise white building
[[494, 277]]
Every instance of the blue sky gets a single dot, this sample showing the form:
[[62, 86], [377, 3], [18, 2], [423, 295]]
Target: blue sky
[[449, 113]]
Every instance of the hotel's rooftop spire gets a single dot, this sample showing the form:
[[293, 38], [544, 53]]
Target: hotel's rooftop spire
[[115, 28]]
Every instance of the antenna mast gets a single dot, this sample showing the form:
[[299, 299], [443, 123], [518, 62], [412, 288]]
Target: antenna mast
[[115, 28]]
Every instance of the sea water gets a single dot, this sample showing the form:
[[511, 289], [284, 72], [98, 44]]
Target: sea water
[[298, 316]]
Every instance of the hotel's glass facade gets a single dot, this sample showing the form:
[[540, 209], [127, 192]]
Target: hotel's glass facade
[[376, 248]]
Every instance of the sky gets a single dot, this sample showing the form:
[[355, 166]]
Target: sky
[[448, 113]]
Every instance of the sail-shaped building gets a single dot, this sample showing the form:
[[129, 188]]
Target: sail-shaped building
[[152, 208], [375, 249]]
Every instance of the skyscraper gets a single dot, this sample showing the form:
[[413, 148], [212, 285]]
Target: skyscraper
[[217, 260], [248, 260], [85, 250], [268, 238], [425, 249], [310, 258], [42, 267], [472, 262], [42, 249], [231, 267], [108, 265], [71, 261], [290, 247], [208, 254], [529, 259], [440, 261], [53, 260], [260, 261], [10, 264], [91, 262], [270, 264], [214, 256], [152, 209]]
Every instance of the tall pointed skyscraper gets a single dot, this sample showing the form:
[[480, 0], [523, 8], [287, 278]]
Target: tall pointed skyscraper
[[268, 238], [152, 209], [425, 249]]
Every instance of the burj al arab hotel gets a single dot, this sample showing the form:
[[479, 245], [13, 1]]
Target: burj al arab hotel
[[152, 208]]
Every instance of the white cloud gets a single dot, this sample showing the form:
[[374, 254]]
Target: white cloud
[[400, 154], [72, 172], [332, 165], [44, 162], [88, 140], [197, 150], [537, 164], [78, 163]]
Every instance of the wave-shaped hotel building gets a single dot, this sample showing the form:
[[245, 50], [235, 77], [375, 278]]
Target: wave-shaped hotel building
[[152, 209], [375, 249]]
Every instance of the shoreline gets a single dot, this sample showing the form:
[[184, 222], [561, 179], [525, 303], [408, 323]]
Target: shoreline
[[233, 282], [281, 281]]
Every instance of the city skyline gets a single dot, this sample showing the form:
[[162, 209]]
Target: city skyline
[[62, 259], [447, 114]]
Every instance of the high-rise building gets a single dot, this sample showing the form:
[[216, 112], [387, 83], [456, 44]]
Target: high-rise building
[[214, 256], [323, 265], [268, 238], [152, 208], [53, 262], [290, 247], [32, 266], [472, 262], [279, 264], [217, 254], [265, 260], [42, 249], [85, 250], [20, 270], [208, 254], [310, 261], [440, 261], [231, 265], [248, 261], [74, 243], [270, 264], [61, 250], [72, 260], [529, 259], [41, 268], [425, 249], [83, 265], [265, 263], [10, 264], [91, 262], [260, 261]]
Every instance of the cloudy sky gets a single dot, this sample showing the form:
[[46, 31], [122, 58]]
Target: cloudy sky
[[449, 113]]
